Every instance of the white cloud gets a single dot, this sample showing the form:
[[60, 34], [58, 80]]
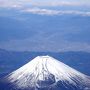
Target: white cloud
[[41, 11], [55, 12], [59, 3], [8, 3]]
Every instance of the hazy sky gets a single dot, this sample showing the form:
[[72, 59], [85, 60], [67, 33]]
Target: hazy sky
[[25, 30]]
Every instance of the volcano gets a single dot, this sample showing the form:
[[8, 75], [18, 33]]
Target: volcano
[[45, 73]]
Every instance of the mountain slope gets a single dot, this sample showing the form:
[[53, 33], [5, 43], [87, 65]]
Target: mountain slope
[[47, 73]]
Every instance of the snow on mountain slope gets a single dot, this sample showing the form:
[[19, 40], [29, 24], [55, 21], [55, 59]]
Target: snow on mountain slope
[[45, 71]]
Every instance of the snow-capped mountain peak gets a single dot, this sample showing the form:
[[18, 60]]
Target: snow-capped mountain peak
[[45, 71]]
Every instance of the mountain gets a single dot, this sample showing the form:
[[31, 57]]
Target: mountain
[[12, 60], [45, 73]]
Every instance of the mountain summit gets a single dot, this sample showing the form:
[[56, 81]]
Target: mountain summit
[[46, 73]]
